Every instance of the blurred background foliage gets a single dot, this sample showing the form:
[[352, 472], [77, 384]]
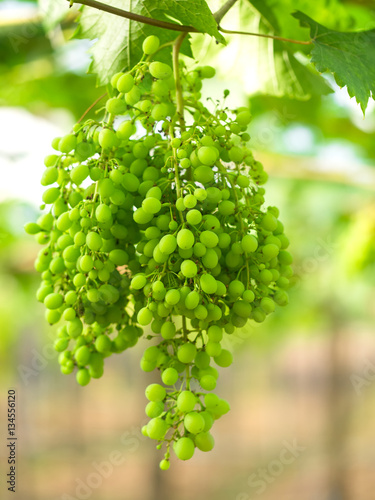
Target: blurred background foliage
[[306, 375]]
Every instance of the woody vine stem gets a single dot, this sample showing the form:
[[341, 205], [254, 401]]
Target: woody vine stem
[[180, 27]]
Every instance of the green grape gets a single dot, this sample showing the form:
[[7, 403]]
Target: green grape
[[154, 409], [93, 241], [150, 44], [139, 281], [50, 176], [107, 138], [207, 382], [184, 448], [243, 118], [168, 330], [51, 195], [204, 441], [203, 174], [208, 283], [116, 106], [83, 376], [53, 301], [159, 221], [249, 243], [185, 239], [103, 213], [157, 428], [189, 269], [125, 130], [186, 353], [194, 217], [82, 355], [186, 401], [207, 155], [224, 359], [67, 143], [155, 392], [190, 201], [125, 83], [169, 376], [172, 297], [151, 205], [144, 316], [103, 344], [133, 96], [165, 464], [194, 422], [160, 70]]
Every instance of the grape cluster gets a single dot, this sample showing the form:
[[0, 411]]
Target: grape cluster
[[157, 222]]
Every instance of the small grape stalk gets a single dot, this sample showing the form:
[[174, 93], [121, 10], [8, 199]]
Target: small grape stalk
[[157, 222]]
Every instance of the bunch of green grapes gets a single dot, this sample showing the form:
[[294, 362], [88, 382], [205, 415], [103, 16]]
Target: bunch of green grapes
[[156, 221]]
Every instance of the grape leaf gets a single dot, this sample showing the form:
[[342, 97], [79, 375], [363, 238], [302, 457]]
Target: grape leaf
[[267, 13], [189, 12], [280, 73], [286, 76], [349, 56], [119, 41], [53, 11]]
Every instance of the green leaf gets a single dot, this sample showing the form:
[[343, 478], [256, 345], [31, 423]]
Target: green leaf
[[349, 56], [53, 11], [189, 12], [289, 77], [280, 73], [267, 13], [119, 41]]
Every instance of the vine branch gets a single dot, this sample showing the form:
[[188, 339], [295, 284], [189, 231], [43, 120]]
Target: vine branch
[[262, 35], [223, 10], [176, 71], [179, 27], [135, 17]]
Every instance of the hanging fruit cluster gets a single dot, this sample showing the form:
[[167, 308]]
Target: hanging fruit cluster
[[153, 221]]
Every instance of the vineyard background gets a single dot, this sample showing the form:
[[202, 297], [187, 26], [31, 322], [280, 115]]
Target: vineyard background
[[305, 378]]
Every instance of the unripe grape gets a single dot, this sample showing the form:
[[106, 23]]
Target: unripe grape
[[186, 401], [157, 428], [194, 422], [204, 441], [116, 106], [107, 138], [160, 70], [67, 143], [185, 239], [133, 96], [53, 301], [144, 316], [186, 353], [83, 376], [155, 392], [207, 155], [184, 448], [164, 464], [169, 376], [208, 383], [189, 268], [243, 118], [125, 83]]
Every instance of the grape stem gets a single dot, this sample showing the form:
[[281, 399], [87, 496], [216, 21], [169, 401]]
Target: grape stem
[[90, 107], [262, 35], [179, 27], [176, 74]]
